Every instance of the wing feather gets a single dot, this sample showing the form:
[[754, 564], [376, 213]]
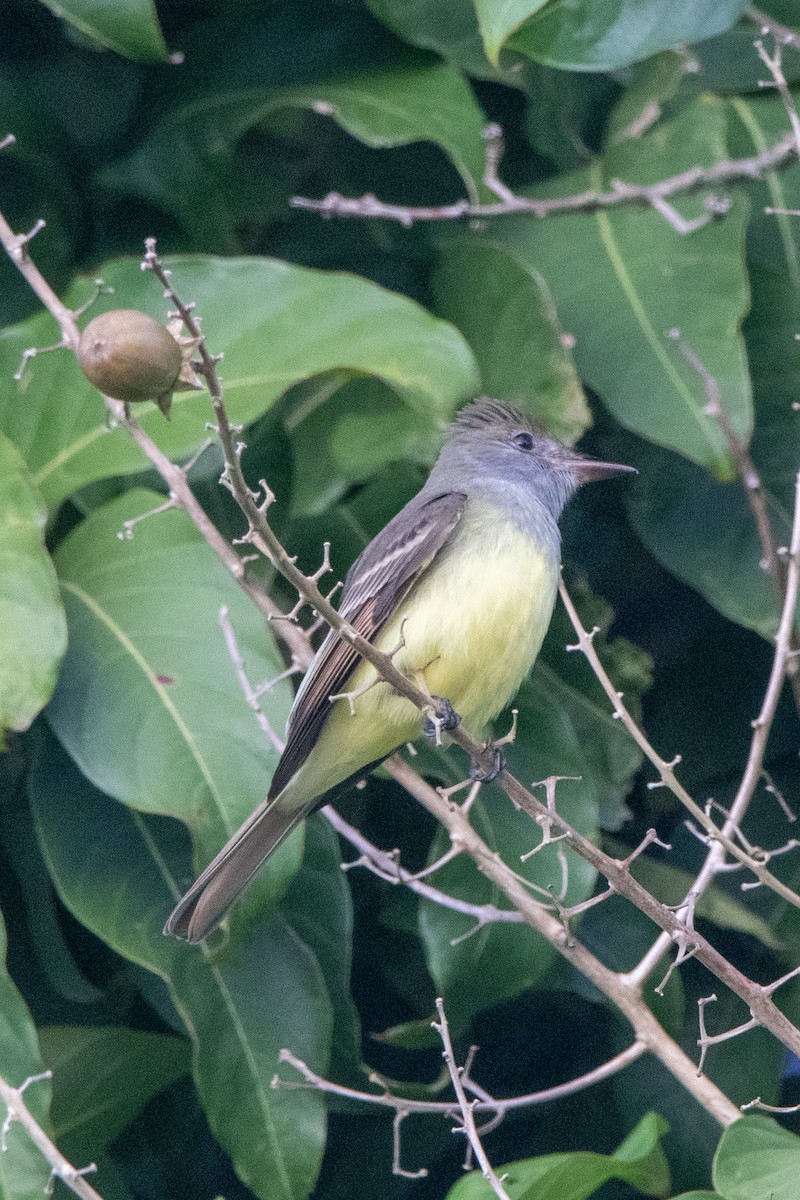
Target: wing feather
[[376, 583]]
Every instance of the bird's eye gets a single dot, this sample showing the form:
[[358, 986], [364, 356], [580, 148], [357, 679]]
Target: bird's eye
[[523, 440]]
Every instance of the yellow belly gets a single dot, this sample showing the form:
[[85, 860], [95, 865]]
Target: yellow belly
[[472, 625]]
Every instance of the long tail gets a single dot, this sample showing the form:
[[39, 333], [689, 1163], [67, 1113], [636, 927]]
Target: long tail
[[213, 892]]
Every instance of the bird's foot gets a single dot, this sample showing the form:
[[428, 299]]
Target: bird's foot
[[442, 718], [488, 764]]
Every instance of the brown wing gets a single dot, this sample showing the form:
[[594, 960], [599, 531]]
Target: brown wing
[[376, 583]]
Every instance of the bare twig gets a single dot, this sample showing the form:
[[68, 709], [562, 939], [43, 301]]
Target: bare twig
[[720, 843], [175, 477], [773, 63], [18, 1111], [486, 1104], [782, 33], [466, 1107], [653, 195], [666, 770]]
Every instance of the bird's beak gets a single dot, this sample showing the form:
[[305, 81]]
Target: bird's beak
[[587, 470]]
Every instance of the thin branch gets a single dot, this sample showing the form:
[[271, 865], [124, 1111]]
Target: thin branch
[[773, 63], [619, 991], [666, 770], [18, 1111], [180, 493], [466, 1107], [447, 1108], [782, 154], [768, 24], [722, 840]]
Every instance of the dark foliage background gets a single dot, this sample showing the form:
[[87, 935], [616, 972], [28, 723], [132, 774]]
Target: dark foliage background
[[162, 1059]]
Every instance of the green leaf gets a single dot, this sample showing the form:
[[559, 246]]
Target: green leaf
[[522, 352], [773, 239], [604, 35], [614, 294], [347, 434], [447, 27], [102, 1078], [148, 703], [757, 1160], [277, 324], [24, 1172], [639, 1161], [702, 531], [130, 27], [33, 630], [318, 906], [498, 19], [119, 872], [417, 101]]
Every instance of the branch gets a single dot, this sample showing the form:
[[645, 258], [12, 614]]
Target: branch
[[666, 770], [175, 477], [652, 195], [447, 1108], [17, 1110], [466, 1107], [782, 33]]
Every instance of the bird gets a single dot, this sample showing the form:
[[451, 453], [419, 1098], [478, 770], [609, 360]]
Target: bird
[[459, 587]]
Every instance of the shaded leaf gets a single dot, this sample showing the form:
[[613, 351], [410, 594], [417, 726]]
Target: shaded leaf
[[448, 27], [129, 27], [32, 626], [119, 872], [522, 353], [148, 703], [498, 19], [702, 531], [24, 1173], [102, 1078], [419, 100], [276, 324], [622, 280]]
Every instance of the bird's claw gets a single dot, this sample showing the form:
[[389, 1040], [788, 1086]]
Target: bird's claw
[[489, 765], [444, 717]]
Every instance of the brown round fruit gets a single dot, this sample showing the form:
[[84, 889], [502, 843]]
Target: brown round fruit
[[129, 356]]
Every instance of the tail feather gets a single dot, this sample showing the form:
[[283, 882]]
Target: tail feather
[[213, 892]]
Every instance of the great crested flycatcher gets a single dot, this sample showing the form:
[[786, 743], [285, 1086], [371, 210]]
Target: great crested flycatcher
[[463, 580]]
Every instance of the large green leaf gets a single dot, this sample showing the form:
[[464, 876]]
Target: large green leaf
[[757, 1160], [521, 350], [276, 323], [622, 280], [128, 26], [773, 239], [148, 703], [119, 872], [604, 35], [24, 1173], [702, 531], [102, 1078], [640, 1161], [417, 100], [32, 627]]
